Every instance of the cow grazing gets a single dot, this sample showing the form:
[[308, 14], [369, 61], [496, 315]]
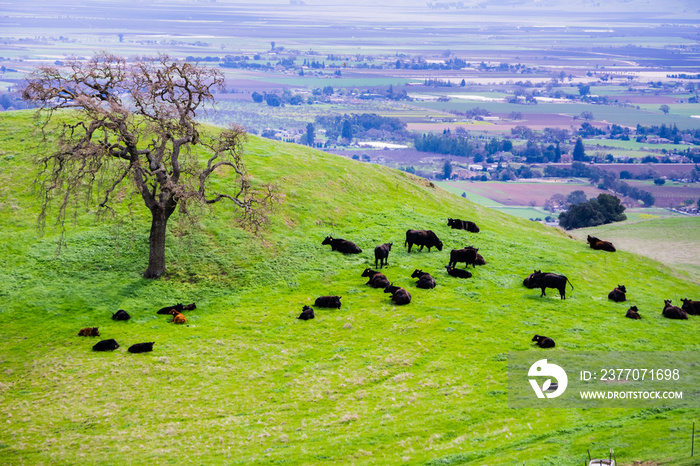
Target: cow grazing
[[106, 345], [422, 238], [178, 317], [121, 314], [89, 332], [141, 348], [466, 255], [549, 280], [398, 294], [543, 342], [633, 313], [328, 301], [479, 260], [376, 279], [341, 245], [178, 307], [673, 312], [425, 280], [692, 308], [381, 255], [306, 313], [458, 273], [596, 243], [618, 294], [458, 224]]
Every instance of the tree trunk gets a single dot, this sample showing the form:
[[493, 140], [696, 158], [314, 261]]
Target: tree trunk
[[156, 243]]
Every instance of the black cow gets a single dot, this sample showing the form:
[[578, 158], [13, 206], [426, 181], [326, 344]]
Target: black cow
[[89, 332], [381, 255], [178, 307], [458, 273], [398, 294], [549, 280], [141, 348], [596, 243], [106, 345], [543, 342], [121, 314], [692, 308], [425, 280], [479, 260], [376, 279], [466, 255], [306, 313], [422, 238], [458, 224], [673, 312], [618, 294], [633, 313], [341, 245], [328, 301]]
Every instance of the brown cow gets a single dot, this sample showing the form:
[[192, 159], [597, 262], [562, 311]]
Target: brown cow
[[596, 243], [178, 317], [89, 332]]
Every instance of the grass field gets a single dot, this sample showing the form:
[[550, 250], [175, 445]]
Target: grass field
[[245, 382]]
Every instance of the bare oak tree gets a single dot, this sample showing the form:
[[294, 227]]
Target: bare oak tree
[[133, 127]]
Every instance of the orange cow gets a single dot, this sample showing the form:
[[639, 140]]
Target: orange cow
[[178, 317]]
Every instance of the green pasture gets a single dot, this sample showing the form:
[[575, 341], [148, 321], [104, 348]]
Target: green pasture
[[245, 382]]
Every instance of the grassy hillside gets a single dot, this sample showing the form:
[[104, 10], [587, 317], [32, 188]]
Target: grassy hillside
[[245, 382]]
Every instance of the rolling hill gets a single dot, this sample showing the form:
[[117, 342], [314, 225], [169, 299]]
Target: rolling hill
[[245, 382]]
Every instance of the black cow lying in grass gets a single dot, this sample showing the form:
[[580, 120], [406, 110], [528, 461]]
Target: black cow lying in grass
[[633, 313], [422, 238], [381, 255], [341, 245], [398, 294], [458, 273], [543, 342], [106, 345], [141, 348], [89, 332], [548, 280], [692, 308], [596, 243], [458, 224], [466, 255], [121, 314], [178, 307], [425, 280], [306, 313], [618, 294], [673, 312], [328, 301], [376, 279]]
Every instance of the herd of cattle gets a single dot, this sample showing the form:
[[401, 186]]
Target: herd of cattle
[[470, 256], [111, 344]]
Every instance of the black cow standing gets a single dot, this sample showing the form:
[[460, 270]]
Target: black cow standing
[[381, 255], [375, 279], [341, 245], [673, 312], [692, 308], [398, 294], [543, 342], [306, 313], [425, 280], [548, 280], [328, 301], [458, 224], [422, 238], [466, 255], [121, 314], [458, 273], [106, 345], [633, 313], [618, 294], [141, 348]]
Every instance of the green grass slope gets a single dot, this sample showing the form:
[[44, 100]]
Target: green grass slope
[[245, 382]]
